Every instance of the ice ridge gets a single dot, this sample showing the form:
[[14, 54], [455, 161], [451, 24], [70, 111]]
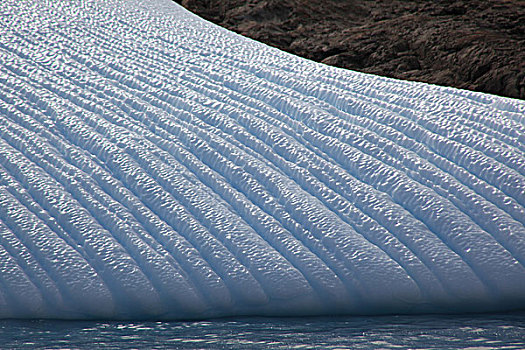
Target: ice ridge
[[153, 165]]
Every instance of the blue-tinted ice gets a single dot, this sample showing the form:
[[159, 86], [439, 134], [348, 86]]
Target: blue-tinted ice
[[153, 165]]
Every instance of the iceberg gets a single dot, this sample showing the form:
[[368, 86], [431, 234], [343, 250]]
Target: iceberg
[[156, 166]]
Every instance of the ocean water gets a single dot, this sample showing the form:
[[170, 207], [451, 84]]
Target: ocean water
[[485, 331]]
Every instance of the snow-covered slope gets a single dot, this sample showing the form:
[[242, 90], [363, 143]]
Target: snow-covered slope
[[155, 165]]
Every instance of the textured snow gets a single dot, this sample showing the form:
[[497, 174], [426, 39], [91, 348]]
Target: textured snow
[[153, 165]]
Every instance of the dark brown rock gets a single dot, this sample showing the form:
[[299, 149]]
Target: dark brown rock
[[475, 44]]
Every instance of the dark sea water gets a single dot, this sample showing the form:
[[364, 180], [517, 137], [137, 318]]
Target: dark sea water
[[488, 331]]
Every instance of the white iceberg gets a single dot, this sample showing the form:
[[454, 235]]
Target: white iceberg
[[154, 165]]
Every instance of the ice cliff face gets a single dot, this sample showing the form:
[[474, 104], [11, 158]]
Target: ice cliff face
[[155, 165]]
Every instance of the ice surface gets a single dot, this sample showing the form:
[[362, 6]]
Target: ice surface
[[153, 165]]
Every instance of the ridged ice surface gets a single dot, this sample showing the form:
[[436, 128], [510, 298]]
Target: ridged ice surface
[[155, 165]]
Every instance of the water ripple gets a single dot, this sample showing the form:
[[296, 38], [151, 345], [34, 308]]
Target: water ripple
[[488, 331]]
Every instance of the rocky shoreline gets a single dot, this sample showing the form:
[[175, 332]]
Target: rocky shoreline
[[476, 45]]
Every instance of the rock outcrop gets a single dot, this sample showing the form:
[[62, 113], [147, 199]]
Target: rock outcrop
[[476, 45]]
